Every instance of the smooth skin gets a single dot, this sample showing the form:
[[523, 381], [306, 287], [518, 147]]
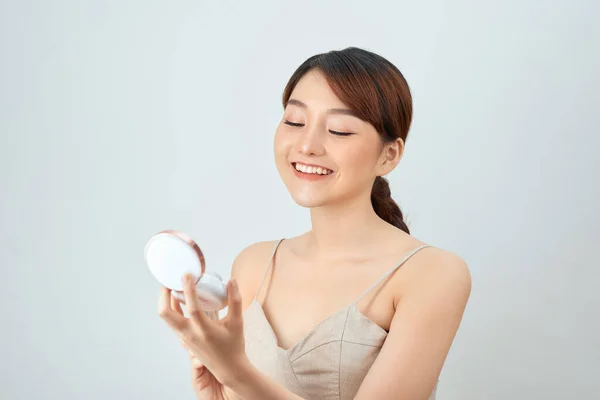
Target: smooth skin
[[420, 305]]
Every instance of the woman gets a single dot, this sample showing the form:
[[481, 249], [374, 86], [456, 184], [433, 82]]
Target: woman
[[330, 314]]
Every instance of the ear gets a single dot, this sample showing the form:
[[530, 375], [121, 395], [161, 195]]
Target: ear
[[391, 154]]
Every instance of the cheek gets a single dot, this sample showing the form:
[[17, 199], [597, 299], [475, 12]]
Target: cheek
[[360, 156], [280, 145]]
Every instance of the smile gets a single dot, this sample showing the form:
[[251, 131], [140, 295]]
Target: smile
[[311, 169], [311, 172]]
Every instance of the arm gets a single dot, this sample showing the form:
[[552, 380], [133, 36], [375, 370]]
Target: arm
[[423, 328]]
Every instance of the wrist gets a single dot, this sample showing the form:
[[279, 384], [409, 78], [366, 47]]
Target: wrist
[[241, 375]]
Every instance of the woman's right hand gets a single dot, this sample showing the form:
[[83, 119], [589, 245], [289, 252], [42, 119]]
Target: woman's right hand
[[204, 383]]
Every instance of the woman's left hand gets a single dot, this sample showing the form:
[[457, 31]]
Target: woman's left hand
[[220, 344]]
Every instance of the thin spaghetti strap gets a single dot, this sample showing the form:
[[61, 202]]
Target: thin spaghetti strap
[[268, 266], [409, 255]]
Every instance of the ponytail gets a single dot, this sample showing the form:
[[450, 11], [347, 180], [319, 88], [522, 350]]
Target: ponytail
[[385, 207]]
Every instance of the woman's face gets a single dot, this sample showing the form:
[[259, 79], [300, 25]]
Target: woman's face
[[337, 153]]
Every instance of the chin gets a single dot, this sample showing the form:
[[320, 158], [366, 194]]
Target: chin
[[307, 200]]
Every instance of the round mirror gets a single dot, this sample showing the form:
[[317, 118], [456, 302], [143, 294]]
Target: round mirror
[[170, 255]]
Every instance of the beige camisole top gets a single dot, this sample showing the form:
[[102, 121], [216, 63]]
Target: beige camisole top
[[331, 361]]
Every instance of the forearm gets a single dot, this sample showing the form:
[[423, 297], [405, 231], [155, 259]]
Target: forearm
[[252, 384]]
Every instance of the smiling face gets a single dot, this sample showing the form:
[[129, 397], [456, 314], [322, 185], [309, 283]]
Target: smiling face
[[323, 153]]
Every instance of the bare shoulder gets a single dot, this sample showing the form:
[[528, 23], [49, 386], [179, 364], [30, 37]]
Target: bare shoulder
[[249, 266], [436, 261], [438, 272]]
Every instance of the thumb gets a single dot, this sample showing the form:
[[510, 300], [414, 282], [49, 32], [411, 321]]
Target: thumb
[[234, 302], [196, 363]]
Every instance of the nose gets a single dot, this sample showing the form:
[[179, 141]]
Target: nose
[[310, 142]]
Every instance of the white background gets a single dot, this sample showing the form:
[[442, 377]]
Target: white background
[[122, 118]]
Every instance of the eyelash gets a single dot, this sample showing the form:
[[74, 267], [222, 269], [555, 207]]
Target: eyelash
[[295, 124]]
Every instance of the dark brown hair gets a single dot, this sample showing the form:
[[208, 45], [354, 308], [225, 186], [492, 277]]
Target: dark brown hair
[[377, 92]]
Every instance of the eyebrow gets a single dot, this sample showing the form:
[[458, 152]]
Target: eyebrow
[[342, 111]]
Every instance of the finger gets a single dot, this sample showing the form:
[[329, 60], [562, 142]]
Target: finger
[[193, 303], [196, 363], [171, 317], [195, 360], [234, 303], [176, 305]]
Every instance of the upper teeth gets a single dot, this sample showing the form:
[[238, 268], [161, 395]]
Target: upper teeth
[[312, 170]]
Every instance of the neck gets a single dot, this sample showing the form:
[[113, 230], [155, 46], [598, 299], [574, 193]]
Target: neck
[[344, 228]]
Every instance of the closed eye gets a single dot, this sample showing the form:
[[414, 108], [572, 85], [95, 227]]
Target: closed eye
[[341, 133], [333, 132], [292, 123]]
